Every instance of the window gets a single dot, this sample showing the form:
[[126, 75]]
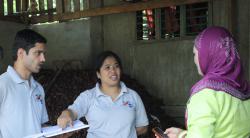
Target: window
[[172, 22], [145, 25], [196, 18]]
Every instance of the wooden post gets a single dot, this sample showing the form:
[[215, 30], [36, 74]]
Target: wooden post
[[41, 5], [85, 4], [59, 6], [18, 6], [76, 5], [67, 5], [24, 6], [50, 9], [10, 7], [49, 4]]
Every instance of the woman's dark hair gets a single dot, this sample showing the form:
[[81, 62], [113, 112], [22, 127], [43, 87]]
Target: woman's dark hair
[[102, 56], [26, 39]]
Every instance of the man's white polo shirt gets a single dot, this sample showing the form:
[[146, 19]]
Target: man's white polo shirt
[[22, 107]]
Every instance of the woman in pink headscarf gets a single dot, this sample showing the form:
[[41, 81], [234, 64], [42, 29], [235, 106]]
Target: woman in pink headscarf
[[219, 104]]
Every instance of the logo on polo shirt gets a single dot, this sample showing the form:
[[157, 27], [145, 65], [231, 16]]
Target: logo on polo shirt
[[39, 98], [127, 103]]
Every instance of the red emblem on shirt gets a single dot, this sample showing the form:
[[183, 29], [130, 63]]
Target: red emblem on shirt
[[39, 98]]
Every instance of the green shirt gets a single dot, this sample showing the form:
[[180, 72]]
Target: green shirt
[[216, 114]]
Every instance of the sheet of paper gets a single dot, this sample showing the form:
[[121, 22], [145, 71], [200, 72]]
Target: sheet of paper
[[40, 135], [56, 130]]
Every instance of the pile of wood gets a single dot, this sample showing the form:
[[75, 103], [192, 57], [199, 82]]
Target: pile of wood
[[63, 86]]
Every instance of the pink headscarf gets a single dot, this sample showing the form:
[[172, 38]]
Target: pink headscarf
[[220, 64]]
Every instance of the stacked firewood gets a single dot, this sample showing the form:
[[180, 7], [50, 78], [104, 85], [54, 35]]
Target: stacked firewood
[[63, 86]]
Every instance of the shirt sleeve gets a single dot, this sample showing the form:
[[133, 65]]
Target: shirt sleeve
[[81, 104], [45, 117], [141, 116], [202, 111], [2, 93]]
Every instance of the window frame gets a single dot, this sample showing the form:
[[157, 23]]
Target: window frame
[[183, 28]]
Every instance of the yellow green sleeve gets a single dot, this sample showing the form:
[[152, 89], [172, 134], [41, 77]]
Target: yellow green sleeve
[[202, 111], [216, 114]]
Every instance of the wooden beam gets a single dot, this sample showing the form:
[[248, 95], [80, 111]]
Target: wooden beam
[[11, 18], [43, 12], [129, 7], [1, 7]]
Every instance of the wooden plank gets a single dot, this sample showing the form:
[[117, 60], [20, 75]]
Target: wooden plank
[[76, 5], [43, 12], [11, 18], [24, 6], [49, 4], [130, 7], [59, 6], [50, 8], [41, 5], [10, 7], [67, 5], [18, 6], [86, 4], [1, 7]]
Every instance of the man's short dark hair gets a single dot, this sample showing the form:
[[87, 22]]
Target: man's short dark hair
[[26, 39]]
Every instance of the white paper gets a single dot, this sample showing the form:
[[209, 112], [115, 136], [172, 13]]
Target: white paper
[[56, 130]]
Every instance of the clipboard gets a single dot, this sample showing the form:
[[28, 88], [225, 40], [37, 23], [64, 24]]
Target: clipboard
[[56, 130]]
